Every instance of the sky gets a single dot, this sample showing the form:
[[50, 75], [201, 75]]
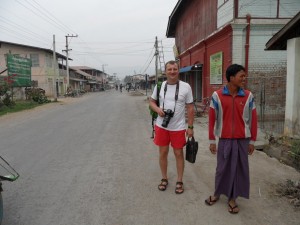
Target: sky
[[116, 36]]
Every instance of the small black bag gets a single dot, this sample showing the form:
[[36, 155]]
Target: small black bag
[[191, 150]]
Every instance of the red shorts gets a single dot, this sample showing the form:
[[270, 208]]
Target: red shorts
[[165, 137]]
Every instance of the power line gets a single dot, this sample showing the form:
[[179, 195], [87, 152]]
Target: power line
[[10, 23], [45, 10], [148, 65], [44, 17]]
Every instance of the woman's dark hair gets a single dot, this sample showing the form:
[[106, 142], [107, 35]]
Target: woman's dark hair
[[232, 70]]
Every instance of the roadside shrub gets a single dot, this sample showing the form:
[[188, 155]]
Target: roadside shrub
[[38, 95], [295, 153], [291, 190], [7, 100], [5, 96]]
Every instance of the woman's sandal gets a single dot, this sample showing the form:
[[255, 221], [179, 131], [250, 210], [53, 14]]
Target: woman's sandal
[[210, 201], [179, 188], [233, 209], [163, 185]]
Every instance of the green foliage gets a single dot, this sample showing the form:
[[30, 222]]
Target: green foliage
[[6, 95], [7, 100], [18, 106], [290, 189], [295, 152], [152, 113], [4, 87], [38, 95]]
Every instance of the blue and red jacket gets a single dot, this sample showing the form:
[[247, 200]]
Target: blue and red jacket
[[232, 117]]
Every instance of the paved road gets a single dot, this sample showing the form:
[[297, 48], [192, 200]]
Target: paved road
[[92, 162]]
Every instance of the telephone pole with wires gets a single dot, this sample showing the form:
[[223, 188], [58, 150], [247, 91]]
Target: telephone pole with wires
[[156, 59], [161, 58], [67, 55]]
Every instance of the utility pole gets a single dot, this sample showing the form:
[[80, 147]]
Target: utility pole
[[103, 75], [156, 60], [54, 71], [146, 79], [67, 55]]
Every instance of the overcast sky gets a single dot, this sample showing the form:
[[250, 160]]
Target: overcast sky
[[117, 35]]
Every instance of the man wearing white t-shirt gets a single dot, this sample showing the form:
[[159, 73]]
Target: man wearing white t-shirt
[[175, 96]]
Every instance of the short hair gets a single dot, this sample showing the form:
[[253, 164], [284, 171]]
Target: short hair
[[232, 70], [172, 62]]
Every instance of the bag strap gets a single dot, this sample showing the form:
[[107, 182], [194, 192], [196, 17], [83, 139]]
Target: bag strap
[[192, 139]]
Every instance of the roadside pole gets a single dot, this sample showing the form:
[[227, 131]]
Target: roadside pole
[[156, 60], [54, 71], [67, 60], [146, 78]]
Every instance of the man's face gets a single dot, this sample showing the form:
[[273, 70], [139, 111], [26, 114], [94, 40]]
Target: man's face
[[239, 79], [172, 72]]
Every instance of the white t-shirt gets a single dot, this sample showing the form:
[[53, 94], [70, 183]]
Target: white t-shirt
[[185, 96]]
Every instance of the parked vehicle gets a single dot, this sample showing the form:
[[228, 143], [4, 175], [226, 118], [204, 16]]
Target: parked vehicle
[[7, 173]]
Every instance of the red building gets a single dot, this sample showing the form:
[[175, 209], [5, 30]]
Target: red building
[[212, 34]]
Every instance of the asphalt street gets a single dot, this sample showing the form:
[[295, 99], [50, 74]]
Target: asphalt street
[[91, 161]]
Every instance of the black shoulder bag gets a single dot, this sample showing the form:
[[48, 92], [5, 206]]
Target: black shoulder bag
[[191, 150]]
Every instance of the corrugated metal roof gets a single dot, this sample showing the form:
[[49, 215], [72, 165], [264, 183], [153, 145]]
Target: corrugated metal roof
[[82, 73], [85, 68], [289, 31], [58, 55], [77, 79], [174, 17]]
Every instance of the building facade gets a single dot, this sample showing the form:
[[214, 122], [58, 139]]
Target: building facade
[[96, 80], [212, 34], [43, 73]]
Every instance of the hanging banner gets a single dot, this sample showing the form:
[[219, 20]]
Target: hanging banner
[[19, 70], [216, 65]]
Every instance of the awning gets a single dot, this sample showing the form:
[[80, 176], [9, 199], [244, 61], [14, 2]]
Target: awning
[[76, 79], [190, 68], [185, 69], [83, 73]]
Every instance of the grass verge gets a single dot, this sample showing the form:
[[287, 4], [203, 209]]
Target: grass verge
[[18, 106]]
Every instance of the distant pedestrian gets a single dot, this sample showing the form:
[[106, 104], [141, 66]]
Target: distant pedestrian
[[233, 119], [121, 86]]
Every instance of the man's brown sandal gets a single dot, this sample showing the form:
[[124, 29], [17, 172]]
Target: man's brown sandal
[[210, 201], [163, 185], [179, 188]]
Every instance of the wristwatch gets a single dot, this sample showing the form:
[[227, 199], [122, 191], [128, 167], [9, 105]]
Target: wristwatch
[[191, 127]]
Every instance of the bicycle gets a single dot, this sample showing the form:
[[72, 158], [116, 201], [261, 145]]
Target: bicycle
[[205, 102], [7, 173]]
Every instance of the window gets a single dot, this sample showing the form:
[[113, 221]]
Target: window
[[48, 59], [35, 60]]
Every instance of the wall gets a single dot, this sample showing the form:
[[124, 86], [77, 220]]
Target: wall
[[43, 74], [259, 36], [222, 42], [195, 23], [225, 12], [268, 8], [292, 115]]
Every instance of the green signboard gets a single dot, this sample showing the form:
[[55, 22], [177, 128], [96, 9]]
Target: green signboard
[[19, 70], [216, 63]]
